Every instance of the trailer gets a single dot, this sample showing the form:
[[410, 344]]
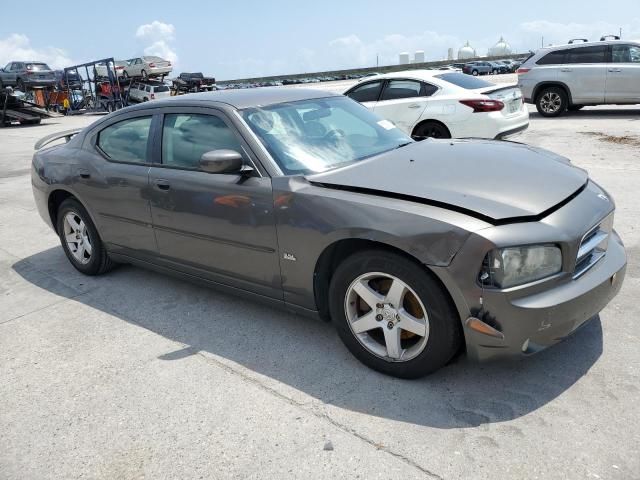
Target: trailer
[[101, 88], [15, 110]]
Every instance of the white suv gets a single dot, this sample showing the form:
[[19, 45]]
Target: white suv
[[143, 92], [568, 77]]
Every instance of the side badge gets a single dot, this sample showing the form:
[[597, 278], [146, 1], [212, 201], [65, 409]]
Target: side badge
[[289, 256]]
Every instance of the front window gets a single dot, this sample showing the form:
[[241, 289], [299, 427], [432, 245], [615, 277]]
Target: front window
[[311, 136]]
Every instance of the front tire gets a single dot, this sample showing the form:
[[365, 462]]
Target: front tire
[[80, 239], [393, 315], [552, 102]]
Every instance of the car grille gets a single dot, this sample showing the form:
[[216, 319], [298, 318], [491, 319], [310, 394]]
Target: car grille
[[593, 246]]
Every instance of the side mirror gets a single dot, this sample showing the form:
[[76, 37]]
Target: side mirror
[[222, 161]]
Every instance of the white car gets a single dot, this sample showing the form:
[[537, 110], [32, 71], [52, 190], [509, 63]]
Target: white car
[[444, 104], [144, 92], [102, 69], [146, 67]]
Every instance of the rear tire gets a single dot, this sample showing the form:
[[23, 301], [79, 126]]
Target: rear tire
[[80, 239], [474, 73], [430, 129], [402, 335], [552, 102]]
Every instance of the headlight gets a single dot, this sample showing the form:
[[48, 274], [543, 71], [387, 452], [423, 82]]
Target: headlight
[[508, 267]]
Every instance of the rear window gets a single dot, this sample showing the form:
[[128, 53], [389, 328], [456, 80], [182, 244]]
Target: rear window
[[37, 67], [553, 58], [161, 88], [464, 81], [154, 59]]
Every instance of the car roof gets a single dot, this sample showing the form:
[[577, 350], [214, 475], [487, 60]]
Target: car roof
[[249, 97], [588, 44]]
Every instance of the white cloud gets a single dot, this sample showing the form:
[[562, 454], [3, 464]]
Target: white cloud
[[159, 38], [531, 33], [18, 47]]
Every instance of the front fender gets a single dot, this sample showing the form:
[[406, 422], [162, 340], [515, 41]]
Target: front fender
[[309, 219]]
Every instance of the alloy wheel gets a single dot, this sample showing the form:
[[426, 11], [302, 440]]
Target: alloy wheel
[[550, 102], [387, 317], [77, 237]]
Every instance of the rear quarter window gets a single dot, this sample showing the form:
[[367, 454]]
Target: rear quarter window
[[556, 57]]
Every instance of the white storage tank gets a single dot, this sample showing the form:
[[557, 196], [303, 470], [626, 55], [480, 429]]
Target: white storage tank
[[466, 52], [404, 58], [419, 57], [500, 49]]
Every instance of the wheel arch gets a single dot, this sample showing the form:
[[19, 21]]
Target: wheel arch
[[55, 199], [338, 251], [429, 120], [552, 83]]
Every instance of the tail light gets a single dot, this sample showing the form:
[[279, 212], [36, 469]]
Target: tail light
[[152, 65], [119, 68], [168, 64], [153, 95], [484, 105], [520, 71]]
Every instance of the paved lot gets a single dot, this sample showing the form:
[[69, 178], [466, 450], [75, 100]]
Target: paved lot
[[136, 375]]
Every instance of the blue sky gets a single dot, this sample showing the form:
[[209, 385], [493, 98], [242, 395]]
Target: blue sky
[[233, 39]]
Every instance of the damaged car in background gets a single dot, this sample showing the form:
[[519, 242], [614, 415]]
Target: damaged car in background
[[414, 250]]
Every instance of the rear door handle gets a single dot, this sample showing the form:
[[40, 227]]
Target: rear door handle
[[566, 70], [415, 105], [615, 70], [163, 184], [84, 173]]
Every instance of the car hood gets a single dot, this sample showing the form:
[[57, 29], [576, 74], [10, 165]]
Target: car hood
[[496, 181]]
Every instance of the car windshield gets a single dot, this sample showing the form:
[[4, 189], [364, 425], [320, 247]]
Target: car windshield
[[311, 136], [37, 67], [465, 81]]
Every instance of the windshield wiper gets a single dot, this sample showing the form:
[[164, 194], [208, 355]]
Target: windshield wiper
[[403, 145]]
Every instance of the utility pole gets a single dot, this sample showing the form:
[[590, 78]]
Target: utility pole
[[542, 42], [376, 60], [620, 32]]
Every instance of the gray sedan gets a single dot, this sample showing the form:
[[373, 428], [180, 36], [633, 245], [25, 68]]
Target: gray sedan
[[299, 198]]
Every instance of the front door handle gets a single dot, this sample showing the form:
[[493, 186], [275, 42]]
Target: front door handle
[[415, 105], [84, 173], [163, 184], [615, 70], [566, 70]]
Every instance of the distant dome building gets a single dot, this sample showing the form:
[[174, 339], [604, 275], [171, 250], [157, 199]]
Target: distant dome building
[[466, 52], [500, 49]]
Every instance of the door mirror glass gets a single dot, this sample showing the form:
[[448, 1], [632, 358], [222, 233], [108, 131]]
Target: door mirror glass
[[221, 161]]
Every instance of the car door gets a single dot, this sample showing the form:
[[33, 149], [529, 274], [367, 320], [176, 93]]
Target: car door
[[403, 102], [585, 73], [217, 226], [623, 74], [367, 93], [113, 181]]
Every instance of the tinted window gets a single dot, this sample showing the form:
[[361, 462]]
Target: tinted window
[[161, 88], [368, 92], [595, 54], [186, 137], [465, 81], [148, 88], [396, 89], [625, 54], [126, 141], [428, 90], [553, 58]]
